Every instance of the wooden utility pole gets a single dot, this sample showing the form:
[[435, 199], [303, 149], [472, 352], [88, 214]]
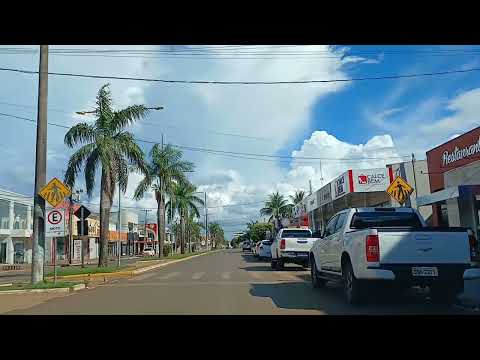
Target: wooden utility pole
[[38, 245]]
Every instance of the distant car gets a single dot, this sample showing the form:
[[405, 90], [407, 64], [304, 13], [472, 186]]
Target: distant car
[[246, 246], [148, 251], [264, 249]]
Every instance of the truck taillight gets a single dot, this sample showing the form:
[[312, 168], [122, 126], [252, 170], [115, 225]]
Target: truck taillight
[[372, 248], [282, 244], [473, 246]]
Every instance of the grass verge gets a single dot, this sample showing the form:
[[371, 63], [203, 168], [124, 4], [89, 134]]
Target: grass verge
[[92, 269], [170, 257], [40, 285]]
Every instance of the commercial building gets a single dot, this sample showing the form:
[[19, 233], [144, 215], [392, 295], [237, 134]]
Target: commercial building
[[16, 227], [454, 173]]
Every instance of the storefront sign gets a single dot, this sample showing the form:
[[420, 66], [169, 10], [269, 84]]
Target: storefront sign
[[460, 153], [311, 202], [370, 180], [324, 195], [77, 250], [340, 186]]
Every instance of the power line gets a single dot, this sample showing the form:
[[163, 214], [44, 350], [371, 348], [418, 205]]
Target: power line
[[215, 82], [221, 152]]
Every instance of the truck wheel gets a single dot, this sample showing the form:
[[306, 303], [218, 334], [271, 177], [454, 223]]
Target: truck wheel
[[445, 294], [316, 281], [280, 265], [353, 288]]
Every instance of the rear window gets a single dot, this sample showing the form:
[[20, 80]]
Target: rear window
[[364, 220], [296, 234]]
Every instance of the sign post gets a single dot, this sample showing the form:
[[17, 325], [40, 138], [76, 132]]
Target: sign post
[[82, 213], [55, 227]]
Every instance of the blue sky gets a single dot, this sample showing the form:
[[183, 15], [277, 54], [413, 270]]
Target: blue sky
[[341, 120]]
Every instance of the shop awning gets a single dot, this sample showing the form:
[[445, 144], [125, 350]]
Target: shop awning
[[451, 192]]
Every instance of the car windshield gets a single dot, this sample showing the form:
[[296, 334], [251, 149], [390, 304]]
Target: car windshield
[[296, 233], [379, 219]]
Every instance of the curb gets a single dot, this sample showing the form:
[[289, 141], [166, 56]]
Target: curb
[[54, 290], [6, 284]]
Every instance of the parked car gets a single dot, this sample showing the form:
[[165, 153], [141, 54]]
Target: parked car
[[291, 245], [365, 247], [264, 249], [255, 249], [246, 245], [148, 251]]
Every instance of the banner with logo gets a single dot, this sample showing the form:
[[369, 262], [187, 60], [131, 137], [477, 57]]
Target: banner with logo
[[370, 180], [324, 195], [312, 202], [340, 186]]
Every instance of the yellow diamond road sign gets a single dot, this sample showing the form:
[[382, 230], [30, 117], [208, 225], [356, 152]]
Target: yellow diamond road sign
[[54, 192], [400, 190]]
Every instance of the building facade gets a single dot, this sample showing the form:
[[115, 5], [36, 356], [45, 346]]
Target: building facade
[[454, 173], [16, 227]]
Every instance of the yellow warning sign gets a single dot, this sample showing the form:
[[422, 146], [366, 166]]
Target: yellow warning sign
[[54, 192], [400, 190]]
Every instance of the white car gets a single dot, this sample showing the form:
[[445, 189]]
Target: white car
[[366, 247], [264, 249], [291, 245], [148, 251]]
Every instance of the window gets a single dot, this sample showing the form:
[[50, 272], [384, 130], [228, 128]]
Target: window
[[330, 228], [340, 222], [363, 220], [296, 233]]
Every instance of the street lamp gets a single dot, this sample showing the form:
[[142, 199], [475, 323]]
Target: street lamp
[[92, 112]]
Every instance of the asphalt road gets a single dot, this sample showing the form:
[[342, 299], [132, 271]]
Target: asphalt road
[[225, 283]]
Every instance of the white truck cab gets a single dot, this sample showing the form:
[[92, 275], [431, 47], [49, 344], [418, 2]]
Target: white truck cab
[[291, 245]]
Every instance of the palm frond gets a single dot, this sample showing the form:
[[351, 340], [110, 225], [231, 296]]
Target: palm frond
[[91, 170], [75, 163], [127, 116], [80, 133]]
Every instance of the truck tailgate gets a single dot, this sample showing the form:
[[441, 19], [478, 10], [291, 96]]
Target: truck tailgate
[[423, 247], [299, 244]]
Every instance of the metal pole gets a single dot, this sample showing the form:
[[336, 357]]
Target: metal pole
[[414, 179], [206, 221], [38, 243], [54, 260], [70, 229], [119, 226], [145, 230]]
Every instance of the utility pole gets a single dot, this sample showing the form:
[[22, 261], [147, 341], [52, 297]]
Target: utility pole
[[414, 179], [310, 184], [119, 247], [38, 244]]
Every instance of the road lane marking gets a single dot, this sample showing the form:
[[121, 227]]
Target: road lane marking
[[197, 275], [169, 275], [255, 275], [226, 275]]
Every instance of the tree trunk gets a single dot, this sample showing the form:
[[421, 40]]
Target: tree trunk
[[161, 224], [182, 230], [106, 199]]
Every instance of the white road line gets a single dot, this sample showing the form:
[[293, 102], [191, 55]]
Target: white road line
[[226, 275], [197, 275], [255, 275], [169, 275]]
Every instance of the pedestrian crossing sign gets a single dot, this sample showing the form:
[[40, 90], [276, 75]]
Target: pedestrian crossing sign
[[400, 190], [54, 192]]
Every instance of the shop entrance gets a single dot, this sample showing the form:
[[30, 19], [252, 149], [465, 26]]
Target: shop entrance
[[3, 253]]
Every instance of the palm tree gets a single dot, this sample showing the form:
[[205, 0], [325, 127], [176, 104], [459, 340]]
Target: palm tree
[[298, 197], [193, 229], [166, 168], [276, 206], [216, 232], [184, 201], [108, 146]]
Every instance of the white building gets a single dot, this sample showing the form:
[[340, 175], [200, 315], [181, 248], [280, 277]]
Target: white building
[[16, 225]]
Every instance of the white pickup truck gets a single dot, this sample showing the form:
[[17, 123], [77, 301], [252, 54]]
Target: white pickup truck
[[365, 247], [291, 245]]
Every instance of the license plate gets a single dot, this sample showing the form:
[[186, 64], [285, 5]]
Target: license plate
[[425, 271]]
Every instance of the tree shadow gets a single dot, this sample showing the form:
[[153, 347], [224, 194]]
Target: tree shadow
[[330, 300]]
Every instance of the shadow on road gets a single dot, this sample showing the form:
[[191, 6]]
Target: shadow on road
[[330, 300]]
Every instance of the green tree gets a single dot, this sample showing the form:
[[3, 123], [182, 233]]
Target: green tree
[[193, 229], [276, 207], [166, 168], [259, 231], [184, 202], [109, 147], [298, 197], [216, 234]]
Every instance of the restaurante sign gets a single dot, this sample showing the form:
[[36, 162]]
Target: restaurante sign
[[459, 154]]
